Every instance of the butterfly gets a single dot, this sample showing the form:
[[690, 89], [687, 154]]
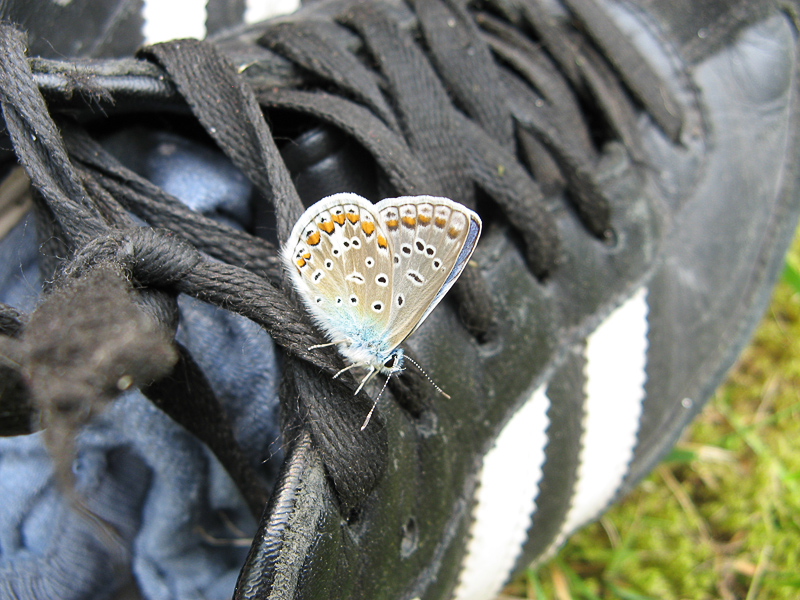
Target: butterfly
[[370, 274]]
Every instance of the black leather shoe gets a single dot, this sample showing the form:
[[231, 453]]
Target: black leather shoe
[[634, 167]]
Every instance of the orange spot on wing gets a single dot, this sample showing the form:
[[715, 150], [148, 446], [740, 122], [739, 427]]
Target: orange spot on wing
[[440, 222], [313, 239], [409, 221], [392, 223], [307, 255], [368, 227], [453, 232], [338, 219], [382, 242], [301, 263], [423, 219], [327, 227], [352, 217]]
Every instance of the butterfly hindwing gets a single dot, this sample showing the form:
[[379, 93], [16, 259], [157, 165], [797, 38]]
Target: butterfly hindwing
[[431, 240]]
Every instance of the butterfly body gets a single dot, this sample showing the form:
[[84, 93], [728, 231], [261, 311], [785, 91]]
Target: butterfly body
[[370, 274]]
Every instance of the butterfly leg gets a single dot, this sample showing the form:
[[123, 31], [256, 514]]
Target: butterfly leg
[[347, 368], [364, 381], [315, 346]]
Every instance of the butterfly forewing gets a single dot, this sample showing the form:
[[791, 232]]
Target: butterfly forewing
[[431, 241], [341, 261]]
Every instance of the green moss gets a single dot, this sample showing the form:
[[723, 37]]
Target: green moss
[[722, 518]]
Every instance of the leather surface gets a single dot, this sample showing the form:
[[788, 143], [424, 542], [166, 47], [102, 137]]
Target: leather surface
[[731, 234]]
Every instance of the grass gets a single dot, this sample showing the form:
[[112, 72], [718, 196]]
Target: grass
[[720, 517]]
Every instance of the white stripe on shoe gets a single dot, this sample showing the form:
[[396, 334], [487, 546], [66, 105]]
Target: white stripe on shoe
[[258, 10], [508, 486], [616, 361], [614, 376], [173, 19]]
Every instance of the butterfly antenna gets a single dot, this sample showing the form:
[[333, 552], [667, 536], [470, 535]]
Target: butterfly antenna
[[374, 404], [421, 370]]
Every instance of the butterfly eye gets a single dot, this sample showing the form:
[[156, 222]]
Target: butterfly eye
[[328, 263], [377, 306], [436, 264], [369, 261], [420, 245], [430, 251], [353, 299], [382, 280], [400, 300], [406, 249], [396, 259], [355, 243]]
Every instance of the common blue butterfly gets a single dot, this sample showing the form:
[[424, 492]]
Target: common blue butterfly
[[370, 274]]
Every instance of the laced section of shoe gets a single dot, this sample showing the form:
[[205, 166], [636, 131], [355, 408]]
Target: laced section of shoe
[[515, 104], [504, 108]]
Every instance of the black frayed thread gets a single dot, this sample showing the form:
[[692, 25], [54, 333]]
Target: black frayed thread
[[11, 320], [83, 345], [16, 408], [158, 260]]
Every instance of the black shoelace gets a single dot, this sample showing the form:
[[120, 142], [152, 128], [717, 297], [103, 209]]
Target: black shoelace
[[503, 108]]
